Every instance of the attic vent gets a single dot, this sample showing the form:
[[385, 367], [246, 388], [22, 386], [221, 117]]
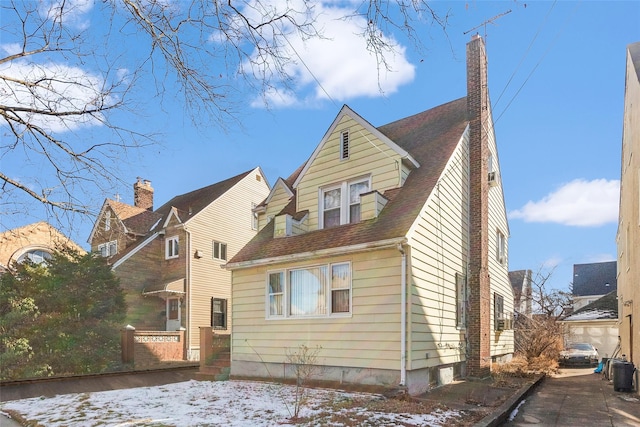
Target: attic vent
[[344, 147], [258, 178]]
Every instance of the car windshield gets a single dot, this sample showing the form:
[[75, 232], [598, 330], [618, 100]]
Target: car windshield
[[586, 347]]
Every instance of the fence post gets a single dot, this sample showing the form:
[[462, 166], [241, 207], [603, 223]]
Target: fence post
[[126, 344], [206, 344]]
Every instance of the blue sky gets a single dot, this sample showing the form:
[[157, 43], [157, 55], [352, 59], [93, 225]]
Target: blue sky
[[556, 80]]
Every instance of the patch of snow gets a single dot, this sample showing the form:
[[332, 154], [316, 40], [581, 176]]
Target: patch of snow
[[592, 315], [197, 403]]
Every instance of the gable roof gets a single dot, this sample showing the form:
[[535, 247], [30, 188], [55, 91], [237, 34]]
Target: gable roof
[[188, 205], [346, 111], [430, 138], [597, 278], [517, 279], [605, 308], [183, 207]]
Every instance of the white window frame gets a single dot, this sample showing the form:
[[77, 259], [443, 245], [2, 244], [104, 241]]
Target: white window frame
[[108, 249], [219, 247], [285, 300], [501, 248], [107, 220], [345, 204], [254, 216], [172, 247]]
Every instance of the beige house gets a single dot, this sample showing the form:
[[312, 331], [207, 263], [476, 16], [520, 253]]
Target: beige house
[[35, 242], [169, 259], [385, 252], [628, 237]]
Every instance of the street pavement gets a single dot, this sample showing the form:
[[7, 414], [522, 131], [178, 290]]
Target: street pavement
[[577, 398]]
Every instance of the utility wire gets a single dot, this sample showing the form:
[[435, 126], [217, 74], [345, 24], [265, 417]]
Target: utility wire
[[310, 72], [564, 25], [546, 18]]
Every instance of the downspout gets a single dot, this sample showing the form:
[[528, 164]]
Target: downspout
[[403, 316], [188, 290]]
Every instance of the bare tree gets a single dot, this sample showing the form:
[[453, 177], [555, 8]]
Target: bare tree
[[540, 337], [66, 93]]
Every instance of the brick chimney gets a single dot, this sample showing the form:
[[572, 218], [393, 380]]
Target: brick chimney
[[479, 115], [143, 194]]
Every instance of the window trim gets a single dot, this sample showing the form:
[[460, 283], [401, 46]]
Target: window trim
[[107, 220], [108, 253], [345, 203], [171, 249], [498, 313], [224, 311], [220, 245], [254, 216], [328, 293], [461, 301], [501, 248]]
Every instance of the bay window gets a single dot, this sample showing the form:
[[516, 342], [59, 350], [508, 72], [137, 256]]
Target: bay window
[[317, 291]]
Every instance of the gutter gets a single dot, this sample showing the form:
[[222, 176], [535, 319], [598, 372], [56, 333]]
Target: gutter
[[403, 317], [381, 244]]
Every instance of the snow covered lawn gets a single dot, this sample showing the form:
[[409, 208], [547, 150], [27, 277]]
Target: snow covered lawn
[[224, 403]]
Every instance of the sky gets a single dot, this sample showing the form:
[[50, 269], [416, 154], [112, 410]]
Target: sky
[[197, 403], [556, 82]]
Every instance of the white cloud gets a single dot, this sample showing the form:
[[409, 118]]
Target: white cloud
[[578, 203], [74, 11], [338, 64], [61, 88], [11, 48]]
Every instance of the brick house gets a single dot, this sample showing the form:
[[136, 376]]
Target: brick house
[[35, 241], [169, 259], [386, 250]]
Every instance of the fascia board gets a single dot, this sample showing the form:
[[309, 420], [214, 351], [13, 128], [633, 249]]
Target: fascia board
[[142, 244], [346, 111]]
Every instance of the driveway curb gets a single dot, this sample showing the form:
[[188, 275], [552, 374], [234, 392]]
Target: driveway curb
[[501, 414]]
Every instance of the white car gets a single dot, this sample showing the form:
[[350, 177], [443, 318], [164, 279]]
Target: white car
[[579, 354]]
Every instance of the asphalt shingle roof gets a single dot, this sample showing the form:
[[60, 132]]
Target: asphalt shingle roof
[[598, 278], [430, 137], [601, 309]]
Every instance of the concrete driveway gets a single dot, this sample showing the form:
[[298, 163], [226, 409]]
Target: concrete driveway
[[578, 398]]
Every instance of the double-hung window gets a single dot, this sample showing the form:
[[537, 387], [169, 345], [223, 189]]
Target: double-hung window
[[316, 291], [218, 313], [498, 312], [461, 301], [108, 249], [340, 204], [501, 249], [172, 247], [219, 251]]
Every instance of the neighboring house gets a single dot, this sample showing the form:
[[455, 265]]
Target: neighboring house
[[595, 323], [592, 281], [169, 260], [522, 296], [35, 242], [628, 237], [386, 252]]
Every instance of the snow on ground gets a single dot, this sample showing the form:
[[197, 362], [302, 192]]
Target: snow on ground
[[205, 403]]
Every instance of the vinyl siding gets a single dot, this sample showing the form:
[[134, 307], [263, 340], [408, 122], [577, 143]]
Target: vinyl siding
[[439, 250], [378, 160], [227, 220], [369, 338], [279, 199], [502, 341]]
